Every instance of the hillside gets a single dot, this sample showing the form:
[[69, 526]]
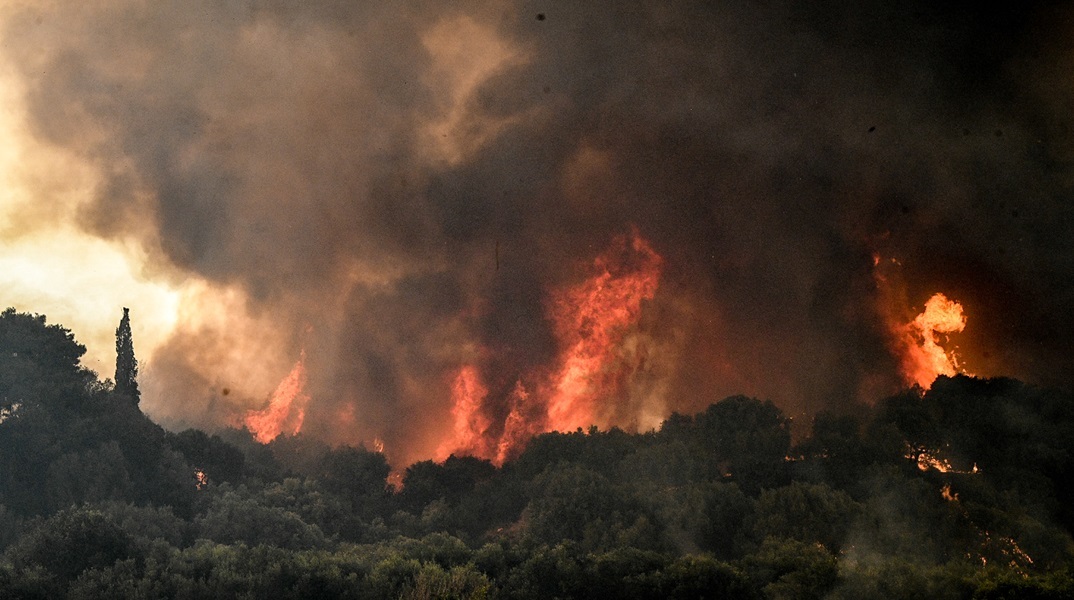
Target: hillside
[[962, 491]]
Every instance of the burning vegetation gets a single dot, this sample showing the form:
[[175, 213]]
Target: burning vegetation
[[925, 358], [921, 343], [286, 408], [590, 320], [253, 173], [873, 504], [521, 253]]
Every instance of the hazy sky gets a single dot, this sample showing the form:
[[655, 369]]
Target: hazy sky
[[398, 188]]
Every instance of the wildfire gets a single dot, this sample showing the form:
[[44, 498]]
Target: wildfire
[[467, 395], [286, 408], [519, 426], [948, 494], [1004, 548], [917, 342], [590, 321], [201, 480], [925, 359], [928, 460]]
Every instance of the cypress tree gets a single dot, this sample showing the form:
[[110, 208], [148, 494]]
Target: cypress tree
[[126, 364]]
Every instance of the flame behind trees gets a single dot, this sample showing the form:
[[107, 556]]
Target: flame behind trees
[[924, 358], [286, 409], [917, 343], [591, 320], [469, 424]]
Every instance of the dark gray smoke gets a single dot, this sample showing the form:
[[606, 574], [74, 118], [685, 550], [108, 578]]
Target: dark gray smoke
[[299, 152]]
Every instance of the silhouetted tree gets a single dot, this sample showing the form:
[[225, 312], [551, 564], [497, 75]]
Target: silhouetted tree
[[39, 363], [126, 364], [738, 438]]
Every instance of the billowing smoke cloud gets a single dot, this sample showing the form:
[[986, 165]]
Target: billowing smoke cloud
[[397, 187]]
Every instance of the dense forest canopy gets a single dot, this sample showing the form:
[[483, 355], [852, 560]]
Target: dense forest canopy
[[958, 492]]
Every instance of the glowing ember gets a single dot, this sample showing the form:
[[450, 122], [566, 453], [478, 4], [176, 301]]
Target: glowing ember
[[926, 461], [948, 494], [591, 320], [470, 425], [1016, 552], [286, 408], [395, 480], [1006, 549], [378, 445], [924, 359]]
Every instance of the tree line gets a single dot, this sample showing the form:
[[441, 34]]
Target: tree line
[[962, 491]]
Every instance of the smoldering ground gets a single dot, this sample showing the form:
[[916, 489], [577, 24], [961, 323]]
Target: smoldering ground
[[397, 187]]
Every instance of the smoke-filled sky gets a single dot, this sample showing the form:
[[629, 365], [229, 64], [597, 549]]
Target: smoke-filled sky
[[400, 189]]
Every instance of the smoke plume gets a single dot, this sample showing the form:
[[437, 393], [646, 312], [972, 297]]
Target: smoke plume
[[401, 189]]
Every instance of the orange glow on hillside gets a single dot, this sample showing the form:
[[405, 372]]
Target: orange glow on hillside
[[924, 358], [286, 408]]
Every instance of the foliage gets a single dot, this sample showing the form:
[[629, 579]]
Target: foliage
[[70, 542], [806, 512], [221, 462], [98, 501]]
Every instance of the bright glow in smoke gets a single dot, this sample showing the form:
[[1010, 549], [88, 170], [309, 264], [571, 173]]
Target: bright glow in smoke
[[48, 265]]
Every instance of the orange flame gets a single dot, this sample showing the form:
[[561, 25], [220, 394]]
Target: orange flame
[[926, 461], [286, 409], [924, 359], [470, 425], [591, 320], [520, 425]]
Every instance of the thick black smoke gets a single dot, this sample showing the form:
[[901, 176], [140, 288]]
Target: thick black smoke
[[400, 184]]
